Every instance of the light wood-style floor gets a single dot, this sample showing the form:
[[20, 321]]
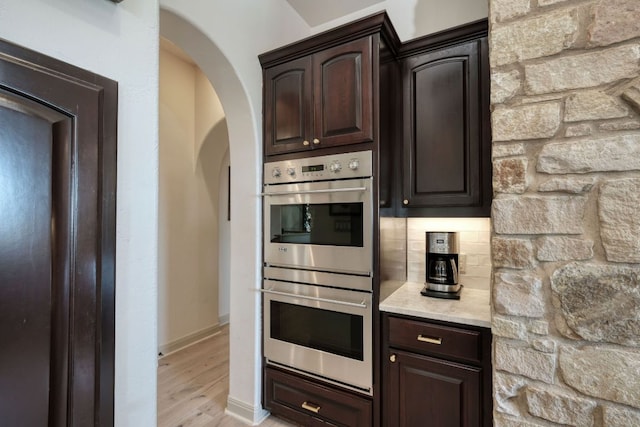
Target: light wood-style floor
[[193, 384]]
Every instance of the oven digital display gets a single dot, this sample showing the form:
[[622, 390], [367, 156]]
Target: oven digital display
[[312, 168]]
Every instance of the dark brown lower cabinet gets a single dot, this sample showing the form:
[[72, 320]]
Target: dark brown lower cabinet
[[433, 392], [309, 403], [435, 374]]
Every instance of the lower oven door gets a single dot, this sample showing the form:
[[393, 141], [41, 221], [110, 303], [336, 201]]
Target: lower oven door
[[318, 331]]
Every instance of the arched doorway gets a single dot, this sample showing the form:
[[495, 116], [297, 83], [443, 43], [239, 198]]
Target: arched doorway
[[244, 381]]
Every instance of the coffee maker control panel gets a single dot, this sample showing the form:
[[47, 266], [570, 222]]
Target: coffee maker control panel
[[442, 243]]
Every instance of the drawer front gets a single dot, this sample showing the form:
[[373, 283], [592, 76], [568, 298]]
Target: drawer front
[[428, 338], [295, 398]]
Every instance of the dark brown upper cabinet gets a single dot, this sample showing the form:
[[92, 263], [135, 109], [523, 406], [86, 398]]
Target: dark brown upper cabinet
[[320, 100], [288, 102], [324, 91], [446, 128]]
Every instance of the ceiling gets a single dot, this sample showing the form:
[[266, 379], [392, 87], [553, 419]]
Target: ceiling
[[319, 12]]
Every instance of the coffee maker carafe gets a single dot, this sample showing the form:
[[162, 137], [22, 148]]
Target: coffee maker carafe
[[442, 264]]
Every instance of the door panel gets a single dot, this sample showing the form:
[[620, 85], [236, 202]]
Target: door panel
[[343, 94], [288, 106], [25, 265], [57, 235], [443, 141]]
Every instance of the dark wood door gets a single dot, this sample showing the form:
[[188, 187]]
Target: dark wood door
[[57, 242], [445, 161], [343, 94], [423, 391], [288, 107]]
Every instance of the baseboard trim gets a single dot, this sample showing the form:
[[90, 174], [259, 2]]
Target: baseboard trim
[[224, 319], [249, 414], [188, 340]]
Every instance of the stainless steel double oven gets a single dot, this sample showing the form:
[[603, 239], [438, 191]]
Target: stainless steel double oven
[[318, 264]]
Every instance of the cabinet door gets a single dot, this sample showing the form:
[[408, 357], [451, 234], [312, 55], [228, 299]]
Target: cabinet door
[[423, 391], [443, 135], [343, 94], [288, 103]]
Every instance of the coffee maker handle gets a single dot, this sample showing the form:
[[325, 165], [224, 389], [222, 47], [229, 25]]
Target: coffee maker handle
[[454, 269]]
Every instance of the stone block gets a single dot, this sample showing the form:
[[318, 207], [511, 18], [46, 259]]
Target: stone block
[[512, 253], [507, 150], [594, 154], [538, 327], [608, 374], [506, 390], [532, 121], [614, 21], [563, 248], [549, 2], [506, 421], [518, 295], [619, 417], [544, 345], [632, 96], [525, 361], [510, 175], [578, 71], [507, 328], [593, 105], [537, 37], [568, 184], [559, 407], [503, 10], [539, 215], [619, 219], [583, 129], [616, 125], [600, 302], [504, 85]]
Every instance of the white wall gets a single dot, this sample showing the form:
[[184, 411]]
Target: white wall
[[118, 41], [193, 140], [415, 18]]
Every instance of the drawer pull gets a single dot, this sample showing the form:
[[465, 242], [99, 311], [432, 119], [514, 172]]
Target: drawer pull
[[437, 341], [311, 407], [392, 358]]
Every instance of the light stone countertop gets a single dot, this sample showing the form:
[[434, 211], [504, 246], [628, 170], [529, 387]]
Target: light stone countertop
[[473, 307]]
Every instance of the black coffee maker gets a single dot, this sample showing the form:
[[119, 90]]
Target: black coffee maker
[[442, 265]]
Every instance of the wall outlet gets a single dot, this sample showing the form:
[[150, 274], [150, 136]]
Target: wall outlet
[[462, 263]]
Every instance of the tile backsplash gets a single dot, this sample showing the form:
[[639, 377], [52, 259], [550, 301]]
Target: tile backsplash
[[400, 251]]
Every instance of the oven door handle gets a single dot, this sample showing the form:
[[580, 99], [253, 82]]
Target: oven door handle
[[329, 190], [333, 301]]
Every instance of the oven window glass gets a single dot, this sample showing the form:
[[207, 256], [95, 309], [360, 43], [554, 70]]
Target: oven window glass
[[335, 224], [324, 330]]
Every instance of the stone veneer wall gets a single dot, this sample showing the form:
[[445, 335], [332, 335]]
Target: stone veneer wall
[[565, 244]]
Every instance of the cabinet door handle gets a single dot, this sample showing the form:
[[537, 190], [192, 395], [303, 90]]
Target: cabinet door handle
[[316, 141], [405, 202], [305, 142], [311, 407], [392, 358], [437, 341]]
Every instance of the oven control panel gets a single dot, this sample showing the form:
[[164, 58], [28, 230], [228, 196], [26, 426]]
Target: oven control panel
[[320, 168]]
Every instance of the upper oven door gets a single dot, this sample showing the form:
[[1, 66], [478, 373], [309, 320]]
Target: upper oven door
[[324, 226]]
